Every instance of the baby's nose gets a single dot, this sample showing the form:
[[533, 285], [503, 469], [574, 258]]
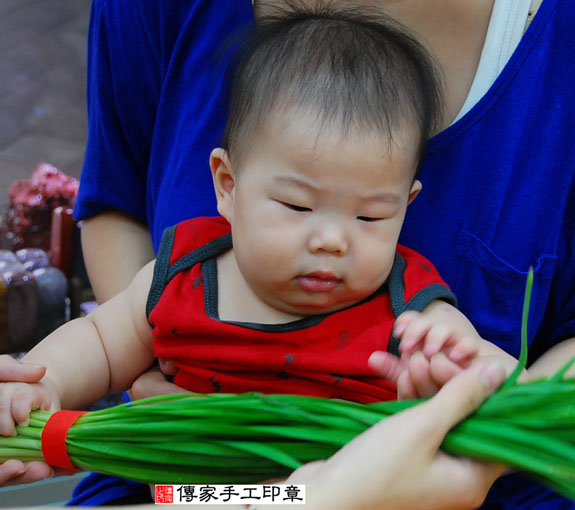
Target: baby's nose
[[329, 237]]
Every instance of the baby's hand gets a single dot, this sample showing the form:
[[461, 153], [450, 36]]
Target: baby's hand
[[438, 329], [416, 376], [14, 471], [436, 344], [17, 400]]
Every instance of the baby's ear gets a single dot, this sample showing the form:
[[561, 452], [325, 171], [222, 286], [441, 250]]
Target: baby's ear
[[414, 191], [224, 181]]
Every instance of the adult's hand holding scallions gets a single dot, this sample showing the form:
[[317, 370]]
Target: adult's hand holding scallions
[[14, 472], [397, 463]]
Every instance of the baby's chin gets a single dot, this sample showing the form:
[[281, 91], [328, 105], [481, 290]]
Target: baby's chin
[[289, 306], [305, 309]]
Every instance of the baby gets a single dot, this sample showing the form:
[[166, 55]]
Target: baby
[[301, 279]]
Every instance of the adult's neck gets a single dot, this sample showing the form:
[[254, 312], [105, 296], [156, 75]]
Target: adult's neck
[[453, 31]]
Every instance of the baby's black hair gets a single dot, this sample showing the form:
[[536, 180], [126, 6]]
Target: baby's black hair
[[352, 67]]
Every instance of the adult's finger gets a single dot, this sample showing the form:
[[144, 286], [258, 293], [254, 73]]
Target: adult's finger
[[14, 472], [167, 366], [12, 370], [462, 395], [151, 384]]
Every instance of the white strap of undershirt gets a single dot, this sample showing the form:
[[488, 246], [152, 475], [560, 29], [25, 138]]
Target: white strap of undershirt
[[506, 28]]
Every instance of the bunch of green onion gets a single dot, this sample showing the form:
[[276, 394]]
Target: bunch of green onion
[[252, 437]]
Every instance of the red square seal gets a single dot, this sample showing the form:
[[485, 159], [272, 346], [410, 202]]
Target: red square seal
[[164, 493]]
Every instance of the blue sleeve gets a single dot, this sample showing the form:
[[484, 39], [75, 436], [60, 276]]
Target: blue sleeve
[[103, 490], [124, 76]]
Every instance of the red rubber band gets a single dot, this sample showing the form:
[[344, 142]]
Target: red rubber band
[[54, 438]]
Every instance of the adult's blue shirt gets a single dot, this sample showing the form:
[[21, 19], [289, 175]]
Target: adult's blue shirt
[[156, 107], [498, 185]]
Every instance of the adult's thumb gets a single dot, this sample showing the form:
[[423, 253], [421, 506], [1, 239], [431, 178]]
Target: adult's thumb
[[12, 370], [464, 393]]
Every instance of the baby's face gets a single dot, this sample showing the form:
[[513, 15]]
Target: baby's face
[[316, 217]]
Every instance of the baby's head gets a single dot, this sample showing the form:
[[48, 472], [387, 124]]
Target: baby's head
[[330, 113]]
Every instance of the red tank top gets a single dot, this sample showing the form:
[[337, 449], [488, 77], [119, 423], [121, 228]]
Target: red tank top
[[322, 355]]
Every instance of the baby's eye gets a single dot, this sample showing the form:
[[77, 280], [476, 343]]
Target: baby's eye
[[368, 218], [294, 207]]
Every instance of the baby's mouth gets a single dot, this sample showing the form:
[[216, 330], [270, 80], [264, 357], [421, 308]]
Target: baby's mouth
[[318, 281]]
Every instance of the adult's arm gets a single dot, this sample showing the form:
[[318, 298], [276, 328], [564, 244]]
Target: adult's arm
[[112, 199], [115, 246], [554, 359]]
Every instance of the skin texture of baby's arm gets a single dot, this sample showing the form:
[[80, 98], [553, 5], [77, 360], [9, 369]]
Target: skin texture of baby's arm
[[86, 358]]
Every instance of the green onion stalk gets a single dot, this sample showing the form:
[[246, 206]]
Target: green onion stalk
[[221, 438]]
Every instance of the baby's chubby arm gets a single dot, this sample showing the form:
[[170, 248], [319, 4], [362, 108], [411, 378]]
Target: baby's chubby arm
[[436, 344], [86, 358]]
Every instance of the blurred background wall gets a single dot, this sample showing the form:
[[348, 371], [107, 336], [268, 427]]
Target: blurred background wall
[[42, 87]]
